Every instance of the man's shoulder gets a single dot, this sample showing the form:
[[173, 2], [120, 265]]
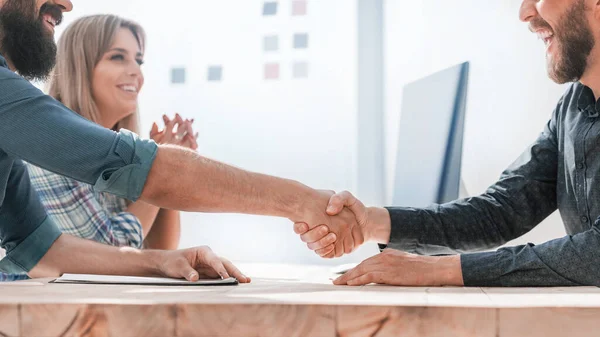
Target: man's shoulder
[[12, 84], [6, 73]]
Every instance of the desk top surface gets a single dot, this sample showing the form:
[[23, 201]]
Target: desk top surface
[[296, 285]]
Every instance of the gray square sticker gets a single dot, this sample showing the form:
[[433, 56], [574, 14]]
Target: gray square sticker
[[215, 73], [301, 41], [178, 75], [270, 8]]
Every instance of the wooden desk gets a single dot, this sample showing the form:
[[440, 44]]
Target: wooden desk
[[287, 300]]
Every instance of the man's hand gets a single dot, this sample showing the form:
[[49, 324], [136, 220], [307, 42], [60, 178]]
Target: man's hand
[[329, 236], [372, 224], [195, 263], [398, 268]]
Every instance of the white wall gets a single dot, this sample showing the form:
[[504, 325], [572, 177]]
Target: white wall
[[510, 97]]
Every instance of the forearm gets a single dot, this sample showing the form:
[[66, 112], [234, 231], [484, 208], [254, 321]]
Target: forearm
[[166, 231], [205, 185], [567, 261], [69, 254], [146, 214], [506, 211]]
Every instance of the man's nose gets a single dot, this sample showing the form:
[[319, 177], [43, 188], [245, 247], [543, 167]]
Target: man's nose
[[528, 10], [66, 5]]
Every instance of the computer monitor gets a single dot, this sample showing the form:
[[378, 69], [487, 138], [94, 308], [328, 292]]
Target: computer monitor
[[430, 141]]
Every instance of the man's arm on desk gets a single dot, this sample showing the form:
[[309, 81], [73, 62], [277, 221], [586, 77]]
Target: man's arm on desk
[[81, 256], [568, 261]]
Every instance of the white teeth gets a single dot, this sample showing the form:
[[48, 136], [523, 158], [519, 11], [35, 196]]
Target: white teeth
[[544, 34], [128, 88]]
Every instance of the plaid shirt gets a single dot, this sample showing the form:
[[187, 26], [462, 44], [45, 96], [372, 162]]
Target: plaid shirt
[[80, 211]]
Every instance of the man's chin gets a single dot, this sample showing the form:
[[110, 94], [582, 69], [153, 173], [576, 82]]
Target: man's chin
[[552, 74]]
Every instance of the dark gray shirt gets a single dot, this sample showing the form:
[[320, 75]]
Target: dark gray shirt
[[36, 128], [561, 169]]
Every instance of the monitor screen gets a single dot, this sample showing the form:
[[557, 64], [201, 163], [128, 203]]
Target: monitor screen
[[430, 139]]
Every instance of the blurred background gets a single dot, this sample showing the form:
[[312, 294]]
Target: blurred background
[[311, 90]]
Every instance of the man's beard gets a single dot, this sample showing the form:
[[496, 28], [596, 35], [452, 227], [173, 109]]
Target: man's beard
[[25, 40], [575, 39]]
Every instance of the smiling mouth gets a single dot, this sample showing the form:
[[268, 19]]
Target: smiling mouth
[[50, 21], [128, 88]]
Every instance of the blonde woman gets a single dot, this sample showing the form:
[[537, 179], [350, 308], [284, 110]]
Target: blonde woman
[[98, 74]]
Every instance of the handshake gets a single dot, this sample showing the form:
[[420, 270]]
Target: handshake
[[334, 224]]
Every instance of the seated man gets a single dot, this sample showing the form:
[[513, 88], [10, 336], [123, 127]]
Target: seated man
[[561, 169], [37, 128]]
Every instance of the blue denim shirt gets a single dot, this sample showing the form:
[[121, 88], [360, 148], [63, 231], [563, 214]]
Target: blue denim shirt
[[36, 128], [561, 169]]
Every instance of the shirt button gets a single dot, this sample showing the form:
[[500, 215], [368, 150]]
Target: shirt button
[[580, 166], [584, 219]]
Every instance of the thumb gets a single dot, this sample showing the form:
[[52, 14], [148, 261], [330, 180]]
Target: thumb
[[187, 272], [336, 204], [345, 199]]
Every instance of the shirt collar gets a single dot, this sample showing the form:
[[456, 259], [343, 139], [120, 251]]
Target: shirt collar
[[586, 102]]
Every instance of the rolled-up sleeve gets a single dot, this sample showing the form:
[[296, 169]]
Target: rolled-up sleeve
[[128, 181], [36, 128]]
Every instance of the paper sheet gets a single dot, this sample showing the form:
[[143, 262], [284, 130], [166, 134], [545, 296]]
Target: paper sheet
[[157, 281]]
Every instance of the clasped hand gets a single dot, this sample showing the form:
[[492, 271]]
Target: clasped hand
[[335, 224]]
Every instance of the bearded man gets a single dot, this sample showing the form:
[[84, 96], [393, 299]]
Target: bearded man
[[560, 170]]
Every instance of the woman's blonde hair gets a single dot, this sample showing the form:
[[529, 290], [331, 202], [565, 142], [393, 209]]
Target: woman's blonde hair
[[80, 48]]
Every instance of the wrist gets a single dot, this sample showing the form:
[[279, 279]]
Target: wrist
[[297, 204], [378, 228], [449, 271], [151, 262]]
